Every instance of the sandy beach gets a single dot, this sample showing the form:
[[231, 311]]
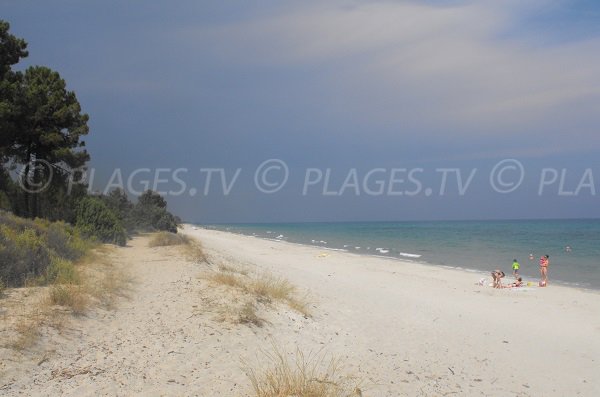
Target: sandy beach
[[399, 327]]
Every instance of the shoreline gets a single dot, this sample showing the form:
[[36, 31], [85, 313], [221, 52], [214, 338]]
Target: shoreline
[[398, 328], [403, 260], [427, 330]]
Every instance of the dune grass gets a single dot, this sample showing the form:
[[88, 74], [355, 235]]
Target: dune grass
[[70, 289], [191, 248], [247, 314], [72, 297], [312, 375], [262, 288], [164, 239]]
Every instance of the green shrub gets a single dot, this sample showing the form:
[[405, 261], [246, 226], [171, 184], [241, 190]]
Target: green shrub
[[38, 250], [66, 241], [22, 255], [150, 214], [167, 222], [94, 218], [151, 218], [61, 271], [119, 203]]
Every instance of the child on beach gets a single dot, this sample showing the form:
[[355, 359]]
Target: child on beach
[[515, 268]]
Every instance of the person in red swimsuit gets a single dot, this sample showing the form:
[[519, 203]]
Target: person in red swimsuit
[[544, 262]]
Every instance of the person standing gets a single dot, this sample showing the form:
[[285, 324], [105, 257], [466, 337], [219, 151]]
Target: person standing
[[544, 263], [497, 276], [515, 268]]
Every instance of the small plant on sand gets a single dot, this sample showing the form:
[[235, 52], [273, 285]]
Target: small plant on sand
[[248, 315], [269, 288], [28, 331], [192, 249], [263, 288], [224, 268], [70, 296], [228, 279], [163, 239], [312, 375]]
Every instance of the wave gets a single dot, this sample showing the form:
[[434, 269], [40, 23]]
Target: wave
[[410, 255]]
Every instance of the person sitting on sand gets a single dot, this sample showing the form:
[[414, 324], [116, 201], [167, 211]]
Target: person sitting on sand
[[518, 283], [497, 277]]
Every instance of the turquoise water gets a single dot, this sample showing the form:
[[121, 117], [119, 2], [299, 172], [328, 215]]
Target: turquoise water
[[477, 245]]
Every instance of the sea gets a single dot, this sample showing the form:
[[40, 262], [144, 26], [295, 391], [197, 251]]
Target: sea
[[478, 246]]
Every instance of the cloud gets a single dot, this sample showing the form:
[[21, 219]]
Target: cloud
[[444, 71]]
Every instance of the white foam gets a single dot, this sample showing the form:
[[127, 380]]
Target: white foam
[[410, 255]]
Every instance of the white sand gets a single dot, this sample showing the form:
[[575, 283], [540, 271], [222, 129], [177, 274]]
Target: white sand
[[406, 329], [410, 326]]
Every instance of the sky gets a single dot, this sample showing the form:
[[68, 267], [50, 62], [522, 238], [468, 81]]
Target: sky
[[334, 111]]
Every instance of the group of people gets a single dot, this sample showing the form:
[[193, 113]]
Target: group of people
[[498, 275]]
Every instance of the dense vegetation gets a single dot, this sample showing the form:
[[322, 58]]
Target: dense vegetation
[[42, 153], [38, 251]]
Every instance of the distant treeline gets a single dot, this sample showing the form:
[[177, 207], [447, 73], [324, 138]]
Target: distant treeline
[[42, 153]]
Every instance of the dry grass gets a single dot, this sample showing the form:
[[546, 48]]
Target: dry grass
[[191, 248], [111, 284], [269, 288], [30, 321], [312, 375], [70, 296], [224, 268], [228, 279], [103, 281], [264, 288], [194, 252], [248, 315], [28, 332], [93, 281], [163, 239]]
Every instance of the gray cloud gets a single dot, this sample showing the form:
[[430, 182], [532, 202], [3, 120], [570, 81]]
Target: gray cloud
[[441, 71]]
